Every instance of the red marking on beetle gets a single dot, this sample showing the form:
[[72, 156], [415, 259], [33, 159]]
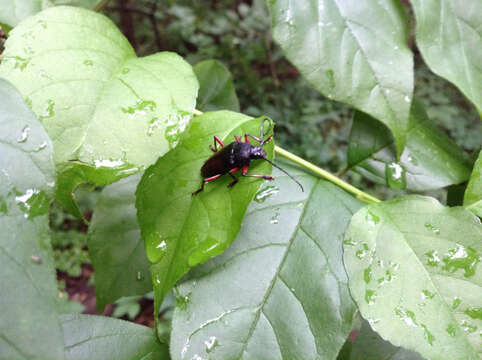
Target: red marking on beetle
[[237, 155]]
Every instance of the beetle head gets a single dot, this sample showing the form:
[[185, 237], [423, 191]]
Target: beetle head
[[257, 152]]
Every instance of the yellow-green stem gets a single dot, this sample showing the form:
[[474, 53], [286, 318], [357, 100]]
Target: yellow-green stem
[[360, 195], [327, 175]]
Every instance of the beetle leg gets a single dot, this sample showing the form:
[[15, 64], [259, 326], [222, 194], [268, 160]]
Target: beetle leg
[[266, 177], [253, 137], [268, 139], [206, 181], [236, 137], [231, 184], [244, 171], [217, 141]]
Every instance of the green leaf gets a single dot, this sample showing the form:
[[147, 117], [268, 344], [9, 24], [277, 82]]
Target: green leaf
[[70, 251], [181, 230], [96, 337], [413, 269], [473, 193], [101, 105], [27, 274], [5, 28], [280, 291], [368, 345], [429, 161], [14, 11], [72, 174], [115, 245], [352, 51], [88, 4], [449, 37], [216, 88]]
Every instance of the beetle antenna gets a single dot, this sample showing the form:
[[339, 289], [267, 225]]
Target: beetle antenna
[[292, 178]]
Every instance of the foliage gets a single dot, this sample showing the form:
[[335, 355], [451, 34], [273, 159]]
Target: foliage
[[70, 251], [185, 230], [472, 199], [127, 306], [301, 263], [413, 272], [285, 257]]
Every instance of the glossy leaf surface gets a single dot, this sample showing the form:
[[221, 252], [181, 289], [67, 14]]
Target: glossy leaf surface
[[115, 245], [368, 345], [216, 88], [101, 104], [414, 271], [352, 51], [181, 230], [473, 193], [430, 159], [280, 291], [449, 37], [27, 276], [89, 337], [74, 173], [14, 11]]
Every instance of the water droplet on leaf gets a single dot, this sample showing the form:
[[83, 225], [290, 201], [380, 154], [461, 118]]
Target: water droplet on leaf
[[141, 107], [266, 192], [372, 219], [211, 344], [49, 110], [432, 228], [24, 135], [36, 259], [461, 258], [395, 176], [370, 296]]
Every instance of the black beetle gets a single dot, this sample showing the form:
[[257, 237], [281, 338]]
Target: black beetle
[[234, 157]]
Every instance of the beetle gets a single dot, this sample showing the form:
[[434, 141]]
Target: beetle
[[235, 156]]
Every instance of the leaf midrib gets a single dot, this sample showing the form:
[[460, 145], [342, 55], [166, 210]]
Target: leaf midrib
[[277, 274], [176, 245]]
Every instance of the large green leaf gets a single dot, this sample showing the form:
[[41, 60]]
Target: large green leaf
[[181, 230], [368, 345], [14, 11], [27, 275], [280, 291], [115, 245], [89, 337], [473, 193], [449, 37], [101, 105], [74, 173], [413, 268], [430, 159], [216, 88], [352, 51]]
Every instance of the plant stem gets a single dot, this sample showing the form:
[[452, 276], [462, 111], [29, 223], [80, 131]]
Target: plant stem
[[100, 5], [360, 195]]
